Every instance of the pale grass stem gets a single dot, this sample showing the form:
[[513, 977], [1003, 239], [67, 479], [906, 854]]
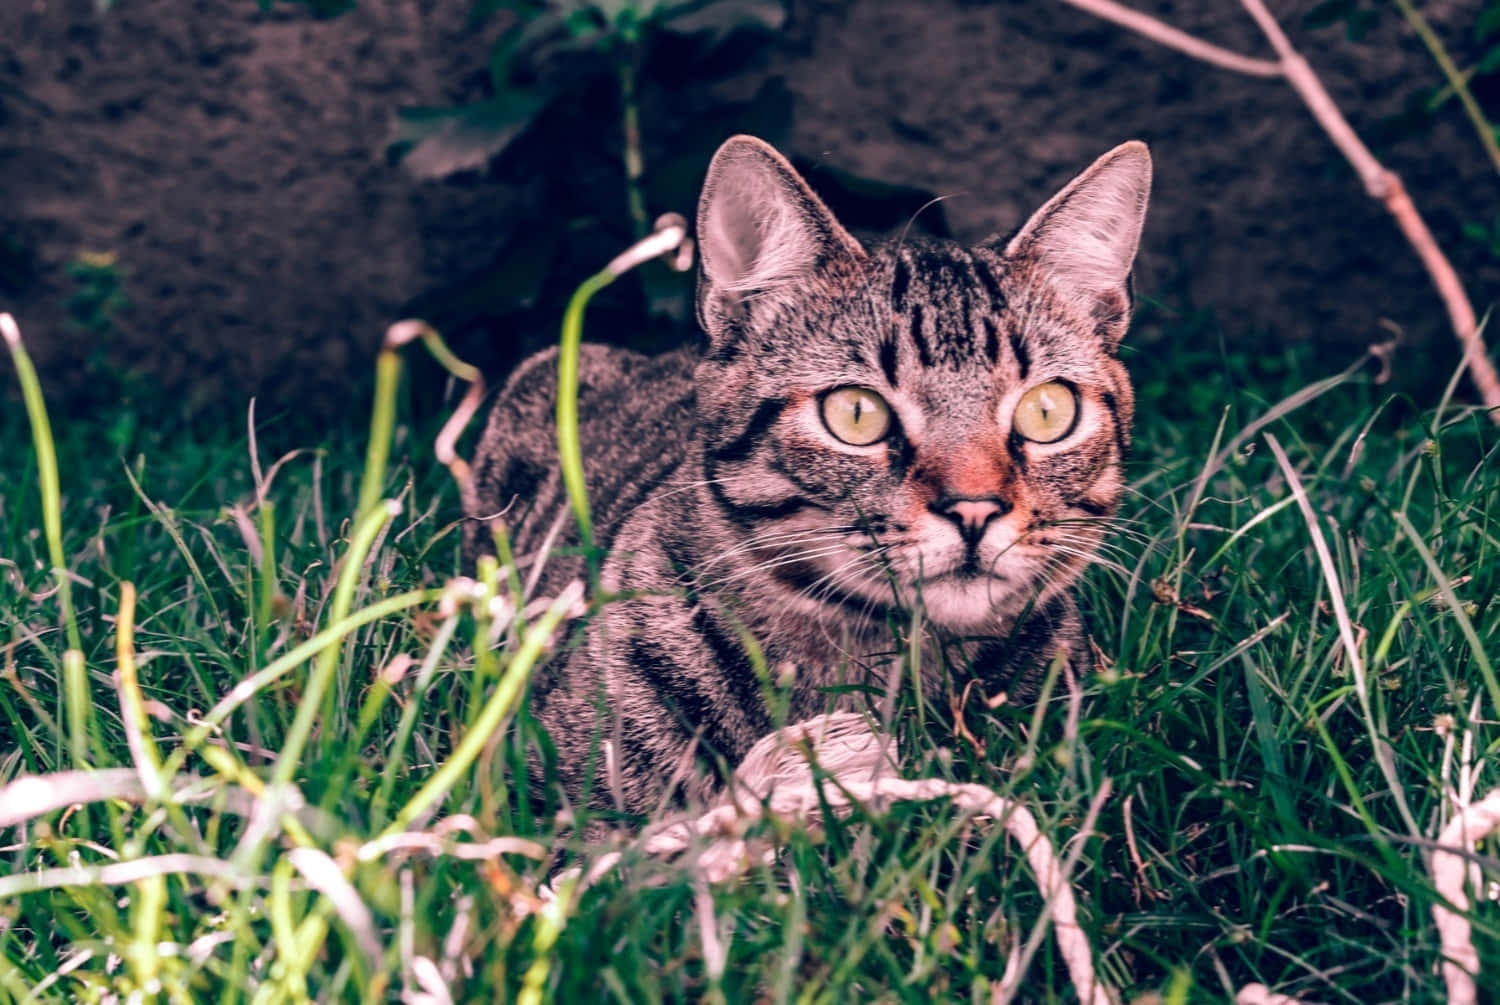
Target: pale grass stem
[[496, 708], [671, 239], [321, 679], [78, 694], [1379, 747]]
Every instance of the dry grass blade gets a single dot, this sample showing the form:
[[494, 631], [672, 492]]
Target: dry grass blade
[[1379, 747], [323, 874]]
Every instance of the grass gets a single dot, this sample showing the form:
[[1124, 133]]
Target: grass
[[350, 823]]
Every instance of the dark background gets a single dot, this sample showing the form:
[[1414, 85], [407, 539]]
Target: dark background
[[236, 163]]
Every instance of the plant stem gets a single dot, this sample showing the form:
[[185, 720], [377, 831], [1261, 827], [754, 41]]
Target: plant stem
[[46, 464], [1457, 79], [382, 421], [491, 715], [669, 238], [569, 450], [311, 707], [75, 676], [635, 165]]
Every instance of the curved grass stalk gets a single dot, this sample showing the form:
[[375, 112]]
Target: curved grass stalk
[[403, 332], [132, 706], [1379, 749], [670, 238], [382, 423], [318, 683], [246, 689], [490, 717], [569, 450], [75, 679]]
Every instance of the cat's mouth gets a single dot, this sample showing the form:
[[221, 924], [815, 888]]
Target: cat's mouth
[[969, 587]]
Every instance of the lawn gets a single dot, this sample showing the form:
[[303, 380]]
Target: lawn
[[301, 794]]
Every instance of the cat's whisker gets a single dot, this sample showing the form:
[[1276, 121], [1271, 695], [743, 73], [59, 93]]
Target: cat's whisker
[[784, 560], [1114, 551], [780, 541], [783, 539], [770, 538], [1105, 525], [1093, 558], [829, 580]]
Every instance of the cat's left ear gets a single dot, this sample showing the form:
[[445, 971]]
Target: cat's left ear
[[762, 233], [1085, 238]]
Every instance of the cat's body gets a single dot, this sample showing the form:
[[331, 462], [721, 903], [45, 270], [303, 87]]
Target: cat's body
[[848, 447]]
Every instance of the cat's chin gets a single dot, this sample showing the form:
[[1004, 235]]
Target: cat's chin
[[970, 604]]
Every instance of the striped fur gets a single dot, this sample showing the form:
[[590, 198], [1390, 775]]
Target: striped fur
[[731, 513]]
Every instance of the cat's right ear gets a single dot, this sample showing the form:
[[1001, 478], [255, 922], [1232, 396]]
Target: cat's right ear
[[1085, 238], [761, 230]]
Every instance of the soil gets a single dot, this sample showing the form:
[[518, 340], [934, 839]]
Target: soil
[[235, 160]]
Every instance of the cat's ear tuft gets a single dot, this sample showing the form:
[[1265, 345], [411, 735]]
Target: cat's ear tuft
[[1085, 238], [760, 229]]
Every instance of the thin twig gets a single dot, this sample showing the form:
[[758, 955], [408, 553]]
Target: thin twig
[[1175, 38], [1457, 82], [1380, 182]]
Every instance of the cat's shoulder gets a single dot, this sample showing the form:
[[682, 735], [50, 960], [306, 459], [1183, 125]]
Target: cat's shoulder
[[600, 367]]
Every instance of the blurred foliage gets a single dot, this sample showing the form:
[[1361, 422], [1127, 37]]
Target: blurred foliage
[[98, 292], [98, 296], [556, 52], [318, 8], [1357, 17], [569, 117], [605, 116], [1479, 54], [17, 262], [1486, 235]]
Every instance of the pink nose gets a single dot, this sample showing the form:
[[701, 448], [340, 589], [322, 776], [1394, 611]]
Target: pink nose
[[972, 515]]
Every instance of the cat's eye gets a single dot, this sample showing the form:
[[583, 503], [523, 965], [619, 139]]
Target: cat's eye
[[1046, 413], [856, 415]]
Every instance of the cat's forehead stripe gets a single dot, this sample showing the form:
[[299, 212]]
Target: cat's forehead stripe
[[949, 304]]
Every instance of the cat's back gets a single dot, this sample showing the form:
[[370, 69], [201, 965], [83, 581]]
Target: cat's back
[[635, 416]]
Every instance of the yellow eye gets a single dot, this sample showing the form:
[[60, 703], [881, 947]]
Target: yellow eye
[[1046, 413], [857, 416]]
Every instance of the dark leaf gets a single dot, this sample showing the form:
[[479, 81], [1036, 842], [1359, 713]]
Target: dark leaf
[[1359, 25], [437, 142], [719, 19], [1488, 63], [1329, 12], [1488, 22], [321, 9], [483, 9]]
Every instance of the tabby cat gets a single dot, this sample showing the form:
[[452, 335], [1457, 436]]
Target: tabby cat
[[866, 432]]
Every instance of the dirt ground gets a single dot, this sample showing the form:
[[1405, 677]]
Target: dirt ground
[[235, 161]]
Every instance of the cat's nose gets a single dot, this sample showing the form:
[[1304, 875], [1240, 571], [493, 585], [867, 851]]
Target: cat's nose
[[971, 516]]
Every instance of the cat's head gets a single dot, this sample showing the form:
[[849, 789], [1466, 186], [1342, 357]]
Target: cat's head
[[916, 420]]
